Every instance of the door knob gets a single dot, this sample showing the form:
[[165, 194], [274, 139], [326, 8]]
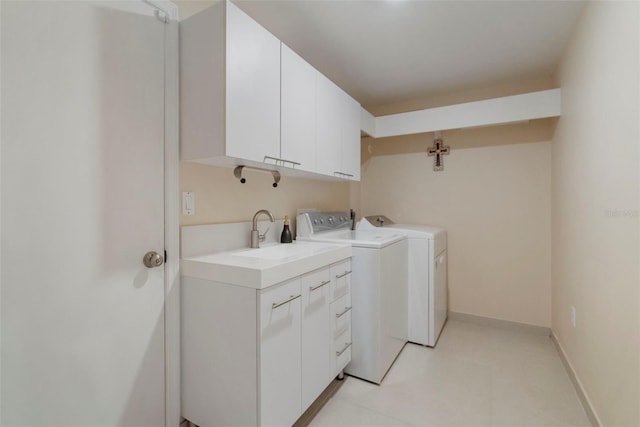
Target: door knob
[[152, 259]]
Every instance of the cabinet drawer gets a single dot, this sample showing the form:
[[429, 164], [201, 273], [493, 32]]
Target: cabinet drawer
[[342, 351], [341, 277], [341, 316]]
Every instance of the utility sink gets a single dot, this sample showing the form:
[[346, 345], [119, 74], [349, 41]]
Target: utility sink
[[286, 251], [228, 261]]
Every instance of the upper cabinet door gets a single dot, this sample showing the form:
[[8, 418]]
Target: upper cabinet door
[[338, 131], [328, 127], [253, 88], [351, 138], [298, 111]]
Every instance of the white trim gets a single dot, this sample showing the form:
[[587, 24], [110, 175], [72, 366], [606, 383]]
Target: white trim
[[499, 323], [172, 228], [508, 109], [0, 219], [171, 213], [367, 122], [165, 6], [582, 395]]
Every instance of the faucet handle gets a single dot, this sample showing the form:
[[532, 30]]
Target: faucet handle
[[261, 237]]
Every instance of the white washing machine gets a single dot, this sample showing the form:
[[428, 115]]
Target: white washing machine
[[427, 274], [378, 289]]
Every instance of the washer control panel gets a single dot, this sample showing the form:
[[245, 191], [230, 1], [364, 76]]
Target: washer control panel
[[316, 222]]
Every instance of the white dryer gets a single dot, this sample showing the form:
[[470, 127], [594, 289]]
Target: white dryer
[[427, 277]]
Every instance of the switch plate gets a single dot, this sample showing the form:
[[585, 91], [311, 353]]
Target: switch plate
[[188, 203], [572, 313]]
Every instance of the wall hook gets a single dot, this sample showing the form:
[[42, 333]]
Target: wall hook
[[238, 174]]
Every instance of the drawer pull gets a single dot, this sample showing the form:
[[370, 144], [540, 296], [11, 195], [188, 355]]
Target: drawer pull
[[346, 310], [340, 276], [339, 353], [278, 304], [313, 288]]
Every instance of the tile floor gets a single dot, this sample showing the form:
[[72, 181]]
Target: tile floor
[[476, 376]]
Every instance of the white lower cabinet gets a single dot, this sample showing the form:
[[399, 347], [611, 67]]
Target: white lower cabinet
[[317, 364], [279, 351], [261, 357], [341, 316]]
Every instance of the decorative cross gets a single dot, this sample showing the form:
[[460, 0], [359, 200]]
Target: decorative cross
[[438, 150]]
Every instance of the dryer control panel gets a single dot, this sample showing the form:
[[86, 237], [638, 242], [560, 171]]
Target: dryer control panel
[[379, 220]]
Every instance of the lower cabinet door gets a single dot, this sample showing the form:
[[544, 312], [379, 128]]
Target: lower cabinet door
[[317, 363], [280, 366]]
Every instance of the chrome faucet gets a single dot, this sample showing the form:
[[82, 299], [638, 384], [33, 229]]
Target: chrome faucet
[[256, 237]]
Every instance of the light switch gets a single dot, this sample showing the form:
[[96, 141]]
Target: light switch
[[188, 203]]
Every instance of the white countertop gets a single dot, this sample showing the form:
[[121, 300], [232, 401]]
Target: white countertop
[[263, 267]]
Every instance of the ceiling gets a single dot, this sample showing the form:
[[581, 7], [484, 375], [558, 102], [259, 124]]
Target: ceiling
[[390, 51]]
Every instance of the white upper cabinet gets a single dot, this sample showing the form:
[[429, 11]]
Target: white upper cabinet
[[229, 87], [246, 98], [298, 111], [328, 129], [350, 142], [253, 88], [338, 131]]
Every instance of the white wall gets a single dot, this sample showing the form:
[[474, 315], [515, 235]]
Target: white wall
[[595, 210], [494, 202]]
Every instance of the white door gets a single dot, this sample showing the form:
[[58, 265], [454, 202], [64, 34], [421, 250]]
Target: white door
[[328, 127], [280, 361], [298, 111], [82, 202], [317, 361], [253, 89]]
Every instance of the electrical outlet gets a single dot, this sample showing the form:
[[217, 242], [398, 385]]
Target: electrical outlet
[[572, 313]]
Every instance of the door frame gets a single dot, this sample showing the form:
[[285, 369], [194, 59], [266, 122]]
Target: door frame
[[171, 211], [172, 217]]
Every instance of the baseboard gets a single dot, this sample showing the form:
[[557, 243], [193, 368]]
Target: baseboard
[[500, 324], [308, 416], [584, 399]]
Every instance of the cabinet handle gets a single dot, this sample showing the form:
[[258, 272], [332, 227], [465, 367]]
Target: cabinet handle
[[278, 304], [340, 276], [281, 161], [350, 175], [346, 310], [313, 288], [339, 353]]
